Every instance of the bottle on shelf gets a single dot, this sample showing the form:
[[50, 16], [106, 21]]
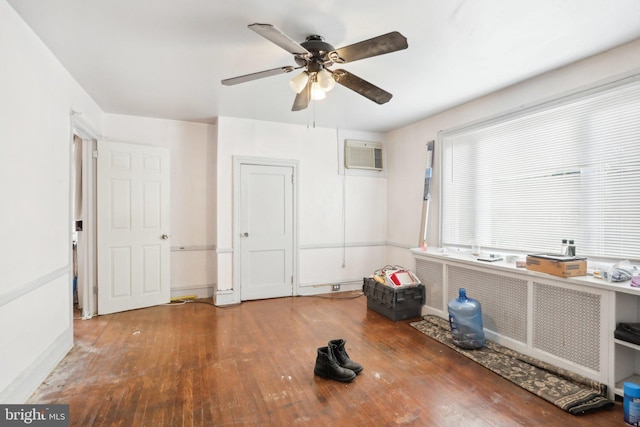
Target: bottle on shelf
[[571, 248], [564, 248]]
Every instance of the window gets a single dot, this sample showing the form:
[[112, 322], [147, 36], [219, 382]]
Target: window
[[563, 170]]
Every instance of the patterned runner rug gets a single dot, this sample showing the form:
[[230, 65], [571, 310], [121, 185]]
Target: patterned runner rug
[[570, 392]]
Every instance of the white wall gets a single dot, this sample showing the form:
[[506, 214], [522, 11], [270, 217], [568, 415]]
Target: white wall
[[36, 97], [193, 200], [324, 238], [407, 146]]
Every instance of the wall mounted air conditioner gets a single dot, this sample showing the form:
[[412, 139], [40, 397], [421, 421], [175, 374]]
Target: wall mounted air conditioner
[[363, 155]]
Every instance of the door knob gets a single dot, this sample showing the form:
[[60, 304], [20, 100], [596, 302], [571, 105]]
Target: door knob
[[164, 237], [245, 234]]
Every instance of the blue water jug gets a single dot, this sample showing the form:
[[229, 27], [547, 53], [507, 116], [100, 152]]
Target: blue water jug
[[631, 404], [465, 320]]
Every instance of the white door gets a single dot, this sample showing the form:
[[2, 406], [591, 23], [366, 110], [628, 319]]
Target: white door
[[133, 226], [266, 231]]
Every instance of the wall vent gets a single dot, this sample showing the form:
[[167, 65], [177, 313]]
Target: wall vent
[[363, 155]]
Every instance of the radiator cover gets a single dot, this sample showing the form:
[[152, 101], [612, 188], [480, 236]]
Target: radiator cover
[[503, 298], [552, 320], [566, 323]]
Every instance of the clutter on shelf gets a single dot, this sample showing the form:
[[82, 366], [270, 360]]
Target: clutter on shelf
[[629, 332], [620, 272]]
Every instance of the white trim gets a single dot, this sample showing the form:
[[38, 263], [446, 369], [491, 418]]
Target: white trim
[[82, 128], [400, 245], [310, 289], [238, 161], [200, 291], [342, 282], [27, 288], [343, 245], [71, 191], [224, 250], [438, 160], [226, 297], [89, 278], [23, 386]]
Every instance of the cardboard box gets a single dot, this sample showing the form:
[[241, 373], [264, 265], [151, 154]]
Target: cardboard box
[[557, 266]]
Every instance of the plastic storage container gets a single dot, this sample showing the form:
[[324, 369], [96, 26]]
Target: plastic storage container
[[395, 303], [465, 320]]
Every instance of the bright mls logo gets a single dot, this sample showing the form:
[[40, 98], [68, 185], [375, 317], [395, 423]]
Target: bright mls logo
[[34, 415]]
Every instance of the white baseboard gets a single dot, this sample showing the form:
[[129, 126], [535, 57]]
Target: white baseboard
[[305, 290], [229, 296], [20, 389], [226, 297], [203, 291]]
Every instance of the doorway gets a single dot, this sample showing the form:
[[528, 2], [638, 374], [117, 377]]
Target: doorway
[[153, 288], [82, 219]]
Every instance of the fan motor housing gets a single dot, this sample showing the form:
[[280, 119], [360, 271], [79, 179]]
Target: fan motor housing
[[319, 50]]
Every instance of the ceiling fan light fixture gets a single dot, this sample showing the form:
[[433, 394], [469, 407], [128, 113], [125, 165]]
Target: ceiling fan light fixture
[[316, 92], [325, 80], [299, 82]]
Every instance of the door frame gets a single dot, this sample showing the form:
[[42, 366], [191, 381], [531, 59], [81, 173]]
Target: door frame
[[87, 253], [238, 162]]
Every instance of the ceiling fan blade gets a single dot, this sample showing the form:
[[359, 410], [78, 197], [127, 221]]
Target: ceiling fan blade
[[303, 98], [254, 76], [380, 45], [276, 36], [362, 87]]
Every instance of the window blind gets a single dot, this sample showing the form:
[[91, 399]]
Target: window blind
[[570, 170]]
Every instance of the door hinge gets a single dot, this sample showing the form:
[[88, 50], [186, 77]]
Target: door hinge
[[292, 179], [292, 280], [95, 154]]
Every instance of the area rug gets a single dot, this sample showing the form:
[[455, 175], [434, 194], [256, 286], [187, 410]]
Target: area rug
[[568, 391]]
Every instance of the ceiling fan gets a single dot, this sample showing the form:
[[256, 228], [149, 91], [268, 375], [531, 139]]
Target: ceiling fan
[[316, 56]]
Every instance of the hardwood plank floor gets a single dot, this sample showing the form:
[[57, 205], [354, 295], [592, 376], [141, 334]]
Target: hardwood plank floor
[[252, 364]]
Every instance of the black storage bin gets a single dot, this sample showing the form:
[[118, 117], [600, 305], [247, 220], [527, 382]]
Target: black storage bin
[[395, 303]]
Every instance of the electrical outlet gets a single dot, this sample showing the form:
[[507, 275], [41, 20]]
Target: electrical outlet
[[335, 287]]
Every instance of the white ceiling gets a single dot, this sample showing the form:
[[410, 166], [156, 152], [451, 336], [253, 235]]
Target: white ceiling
[[165, 58]]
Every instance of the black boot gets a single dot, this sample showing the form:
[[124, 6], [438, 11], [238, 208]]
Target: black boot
[[327, 366], [343, 358]]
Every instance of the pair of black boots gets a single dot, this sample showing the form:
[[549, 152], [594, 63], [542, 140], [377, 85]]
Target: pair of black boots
[[333, 362]]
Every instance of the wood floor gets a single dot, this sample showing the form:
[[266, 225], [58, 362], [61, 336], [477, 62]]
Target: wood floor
[[252, 365]]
